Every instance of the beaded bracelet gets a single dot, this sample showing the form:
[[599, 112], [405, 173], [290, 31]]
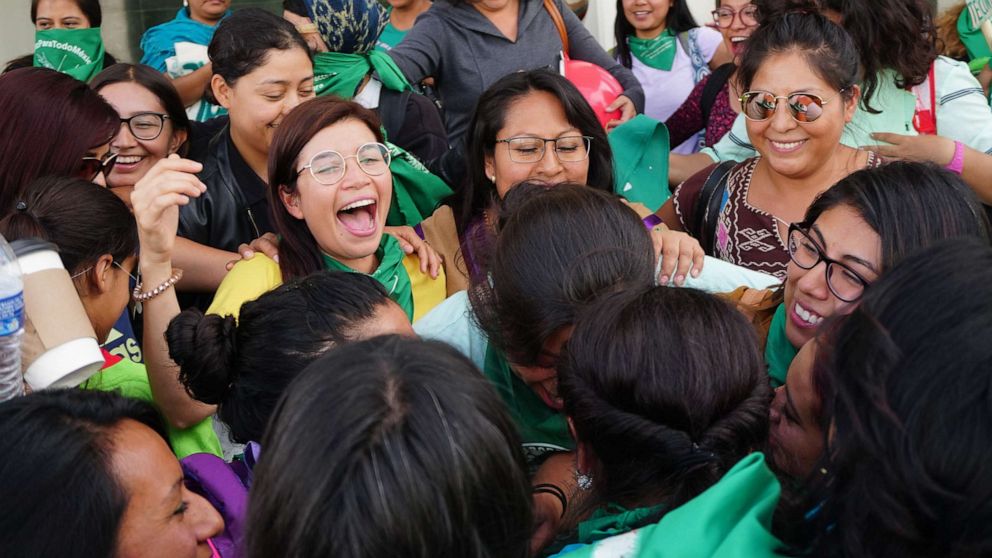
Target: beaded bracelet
[[139, 296]]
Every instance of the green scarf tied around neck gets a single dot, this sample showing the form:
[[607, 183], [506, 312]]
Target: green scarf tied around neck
[[416, 191], [779, 351], [390, 273], [657, 53], [75, 52], [340, 74], [614, 519]]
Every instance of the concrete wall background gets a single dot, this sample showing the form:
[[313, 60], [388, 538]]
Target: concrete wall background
[[125, 20]]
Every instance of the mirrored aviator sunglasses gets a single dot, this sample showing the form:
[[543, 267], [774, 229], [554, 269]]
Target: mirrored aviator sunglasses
[[90, 167], [761, 105]]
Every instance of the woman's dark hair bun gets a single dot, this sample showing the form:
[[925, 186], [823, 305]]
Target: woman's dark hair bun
[[205, 348]]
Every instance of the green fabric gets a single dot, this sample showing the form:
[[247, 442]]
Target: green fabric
[[542, 429], [779, 351], [657, 53], [731, 519], [978, 64], [390, 273], [340, 74], [76, 52], [389, 38], [416, 191], [640, 161], [972, 37], [130, 379], [613, 520]]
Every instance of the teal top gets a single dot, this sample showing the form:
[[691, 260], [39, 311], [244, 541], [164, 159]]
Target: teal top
[[779, 351], [731, 519], [389, 37], [542, 429]]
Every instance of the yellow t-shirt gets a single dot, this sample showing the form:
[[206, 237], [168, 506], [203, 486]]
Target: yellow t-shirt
[[250, 279]]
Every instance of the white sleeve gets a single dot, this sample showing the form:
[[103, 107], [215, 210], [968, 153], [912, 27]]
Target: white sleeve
[[734, 145], [452, 322], [719, 276], [708, 40], [963, 112]]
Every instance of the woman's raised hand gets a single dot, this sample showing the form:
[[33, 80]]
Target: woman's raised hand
[[681, 255], [172, 182]]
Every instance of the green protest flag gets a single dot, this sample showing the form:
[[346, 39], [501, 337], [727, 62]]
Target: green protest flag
[[76, 52]]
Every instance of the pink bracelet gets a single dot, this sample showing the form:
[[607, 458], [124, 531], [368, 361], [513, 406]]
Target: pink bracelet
[[957, 162]]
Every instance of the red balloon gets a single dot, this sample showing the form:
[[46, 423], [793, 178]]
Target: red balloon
[[596, 84]]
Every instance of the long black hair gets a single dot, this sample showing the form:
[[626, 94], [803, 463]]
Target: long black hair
[[679, 20], [490, 115], [244, 365], [57, 481], [907, 471], [391, 447]]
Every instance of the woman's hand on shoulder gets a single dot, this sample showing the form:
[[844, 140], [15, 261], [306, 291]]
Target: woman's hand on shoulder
[[410, 242], [170, 183], [267, 244], [681, 255], [925, 148]]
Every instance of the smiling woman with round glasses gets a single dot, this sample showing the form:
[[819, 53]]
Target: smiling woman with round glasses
[[330, 190], [741, 212]]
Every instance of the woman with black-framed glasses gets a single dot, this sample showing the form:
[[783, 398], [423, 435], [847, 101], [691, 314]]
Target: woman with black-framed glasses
[[799, 91], [153, 123], [848, 238]]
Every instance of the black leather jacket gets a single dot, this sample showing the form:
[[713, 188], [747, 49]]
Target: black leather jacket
[[220, 217]]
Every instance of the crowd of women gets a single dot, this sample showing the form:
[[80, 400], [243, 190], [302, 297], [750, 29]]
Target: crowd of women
[[369, 293]]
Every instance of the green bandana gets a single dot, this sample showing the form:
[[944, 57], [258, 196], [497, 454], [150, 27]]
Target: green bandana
[[390, 273], [640, 161], [416, 191], [657, 53], [76, 52], [779, 352], [615, 520], [542, 429], [340, 74], [731, 519], [971, 37]]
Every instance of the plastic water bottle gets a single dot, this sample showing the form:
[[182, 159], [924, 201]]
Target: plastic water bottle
[[11, 323]]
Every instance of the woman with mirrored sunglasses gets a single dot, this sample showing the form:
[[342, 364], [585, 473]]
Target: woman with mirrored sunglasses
[[849, 236], [799, 82]]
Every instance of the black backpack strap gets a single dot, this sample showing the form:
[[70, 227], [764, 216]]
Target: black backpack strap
[[707, 208], [713, 87]]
